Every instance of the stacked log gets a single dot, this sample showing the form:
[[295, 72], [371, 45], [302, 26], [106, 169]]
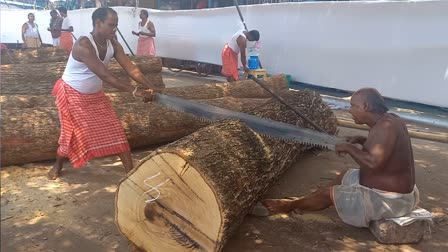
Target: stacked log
[[30, 135], [39, 78], [38, 55], [14, 99], [30, 127], [209, 180], [239, 89]]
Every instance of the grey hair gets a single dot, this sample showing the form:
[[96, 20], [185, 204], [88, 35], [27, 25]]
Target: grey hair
[[374, 100]]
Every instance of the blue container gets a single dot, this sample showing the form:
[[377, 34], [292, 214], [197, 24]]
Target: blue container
[[253, 63]]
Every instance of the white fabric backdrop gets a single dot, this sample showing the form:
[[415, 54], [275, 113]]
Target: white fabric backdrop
[[400, 48]]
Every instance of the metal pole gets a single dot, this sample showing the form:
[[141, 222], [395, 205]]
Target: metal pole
[[121, 35], [7, 4], [239, 13], [244, 23]]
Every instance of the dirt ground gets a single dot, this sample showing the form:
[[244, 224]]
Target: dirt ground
[[76, 212]]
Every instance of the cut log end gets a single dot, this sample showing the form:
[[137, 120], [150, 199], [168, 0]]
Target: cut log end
[[186, 210], [213, 178]]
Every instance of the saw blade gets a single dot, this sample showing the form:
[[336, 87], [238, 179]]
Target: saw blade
[[263, 126]]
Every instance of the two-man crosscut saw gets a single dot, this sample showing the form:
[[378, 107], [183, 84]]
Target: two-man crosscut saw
[[265, 127]]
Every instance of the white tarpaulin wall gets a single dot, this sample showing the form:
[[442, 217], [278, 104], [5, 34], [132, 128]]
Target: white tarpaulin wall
[[400, 48]]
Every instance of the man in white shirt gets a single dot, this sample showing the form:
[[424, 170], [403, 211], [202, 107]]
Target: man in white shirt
[[66, 31], [230, 52], [90, 127], [30, 33]]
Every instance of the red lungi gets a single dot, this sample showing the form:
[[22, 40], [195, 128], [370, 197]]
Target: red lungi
[[229, 62], [89, 126], [146, 46], [67, 41]]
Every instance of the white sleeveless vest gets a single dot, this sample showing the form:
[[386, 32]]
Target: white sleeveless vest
[[233, 42], [80, 77]]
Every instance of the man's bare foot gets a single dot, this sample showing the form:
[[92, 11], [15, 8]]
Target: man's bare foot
[[280, 205], [54, 173]]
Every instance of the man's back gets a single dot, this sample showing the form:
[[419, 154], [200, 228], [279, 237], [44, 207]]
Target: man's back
[[233, 43], [396, 173]]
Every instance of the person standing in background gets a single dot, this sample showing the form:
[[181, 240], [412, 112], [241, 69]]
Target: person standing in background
[[66, 31], [201, 4], [55, 27], [235, 46], [30, 33], [146, 34]]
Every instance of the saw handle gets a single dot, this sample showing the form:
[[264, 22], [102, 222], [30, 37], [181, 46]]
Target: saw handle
[[280, 99]]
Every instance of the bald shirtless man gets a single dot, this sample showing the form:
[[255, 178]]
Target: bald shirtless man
[[383, 186]]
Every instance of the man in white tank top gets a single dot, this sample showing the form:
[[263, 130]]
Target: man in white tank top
[[146, 33], [89, 126], [66, 31], [30, 33], [229, 54]]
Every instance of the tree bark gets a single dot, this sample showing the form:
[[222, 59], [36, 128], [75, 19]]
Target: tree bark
[[209, 180], [39, 78], [45, 88], [239, 89], [39, 55], [29, 135]]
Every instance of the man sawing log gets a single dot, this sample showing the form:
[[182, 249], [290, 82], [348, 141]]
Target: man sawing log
[[384, 185], [89, 126], [209, 180]]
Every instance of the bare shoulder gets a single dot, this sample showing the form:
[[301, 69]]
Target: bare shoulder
[[386, 129], [117, 46], [83, 42], [118, 49], [391, 122], [241, 40], [386, 122], [82, 48]]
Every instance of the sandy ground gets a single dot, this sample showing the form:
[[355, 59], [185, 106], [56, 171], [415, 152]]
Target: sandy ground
[[76, 212]]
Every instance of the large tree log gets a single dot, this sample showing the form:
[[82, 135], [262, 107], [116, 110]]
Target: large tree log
[[29, 135], [17, 78], [209, 180], [239, 89], [46, 87], [39, 55]]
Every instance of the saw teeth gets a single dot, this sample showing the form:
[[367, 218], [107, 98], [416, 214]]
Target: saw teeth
[[282, 132]]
